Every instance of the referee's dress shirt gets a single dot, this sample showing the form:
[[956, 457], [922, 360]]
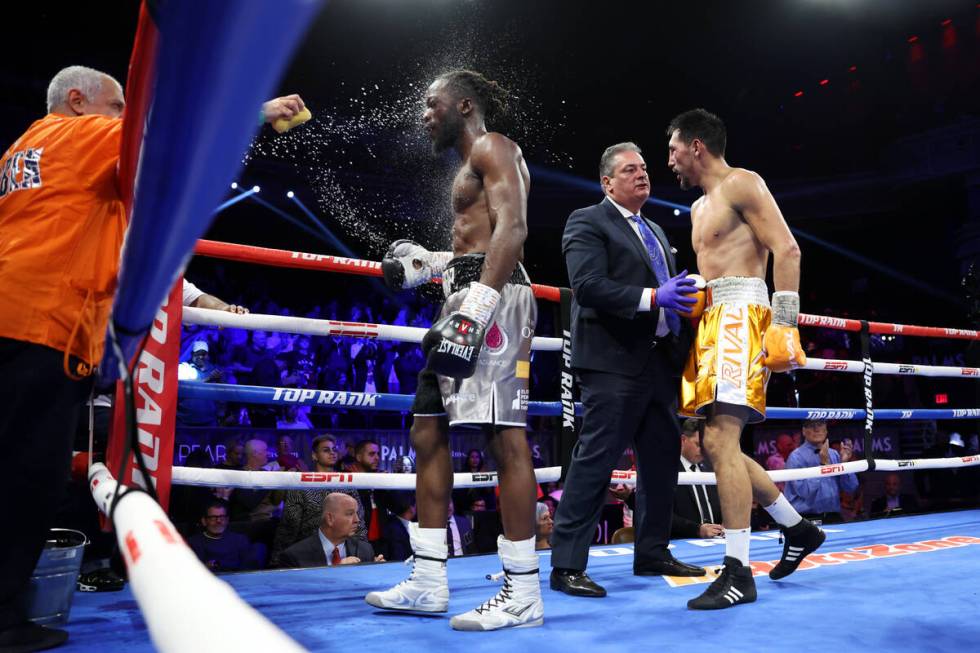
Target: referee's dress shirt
[[662, 329]]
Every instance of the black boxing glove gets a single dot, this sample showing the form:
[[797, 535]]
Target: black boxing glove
[[407, 264], [452, 346]]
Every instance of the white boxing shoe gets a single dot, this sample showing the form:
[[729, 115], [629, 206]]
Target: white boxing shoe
[[427, 588], [518, 604]]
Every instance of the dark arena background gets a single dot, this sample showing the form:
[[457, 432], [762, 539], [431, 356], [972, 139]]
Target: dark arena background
[[863, 117]]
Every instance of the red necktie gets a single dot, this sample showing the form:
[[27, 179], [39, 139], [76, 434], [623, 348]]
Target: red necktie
[[335, 557], [374, 528]]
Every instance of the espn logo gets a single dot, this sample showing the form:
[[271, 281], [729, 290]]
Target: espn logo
[[835, 365], [969, 371], [623, 474], [831, 469], [325, 477]]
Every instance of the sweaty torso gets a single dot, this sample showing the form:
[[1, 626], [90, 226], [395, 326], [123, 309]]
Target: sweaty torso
[[724, 242], [474, 223]]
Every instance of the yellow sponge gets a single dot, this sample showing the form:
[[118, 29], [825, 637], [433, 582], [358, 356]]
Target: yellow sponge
[[283, 125]]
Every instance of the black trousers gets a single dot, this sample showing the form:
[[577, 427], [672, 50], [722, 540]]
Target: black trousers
[[39, 409], [619, 411]]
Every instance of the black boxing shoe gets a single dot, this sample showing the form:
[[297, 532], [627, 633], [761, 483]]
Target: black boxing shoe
[[100, 580], [733, 586], [799, 541]]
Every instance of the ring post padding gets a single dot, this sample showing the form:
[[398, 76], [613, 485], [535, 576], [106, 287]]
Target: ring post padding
[[869, 416], [180, 599]]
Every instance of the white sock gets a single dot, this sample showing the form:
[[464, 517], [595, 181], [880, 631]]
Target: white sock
[[783, 512], [429, 541], [517, 555], [737, 544]]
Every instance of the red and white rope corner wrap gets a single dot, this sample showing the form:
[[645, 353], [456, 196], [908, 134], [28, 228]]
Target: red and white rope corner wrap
[[180, 599], [332, 480]]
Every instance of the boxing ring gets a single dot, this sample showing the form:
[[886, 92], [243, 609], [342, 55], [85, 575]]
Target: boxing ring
[[872, 584], [904, 583]]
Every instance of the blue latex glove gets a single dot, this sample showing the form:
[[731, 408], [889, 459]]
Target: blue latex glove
[[677, 293]]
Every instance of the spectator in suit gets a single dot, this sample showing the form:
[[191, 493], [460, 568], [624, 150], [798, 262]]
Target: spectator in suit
[[459, 534], [697, 510], [397, 545], [217, 547], [894, 501], [334, 542], [303, 509]]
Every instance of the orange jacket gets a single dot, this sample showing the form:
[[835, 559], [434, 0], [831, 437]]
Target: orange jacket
[[61, 229]]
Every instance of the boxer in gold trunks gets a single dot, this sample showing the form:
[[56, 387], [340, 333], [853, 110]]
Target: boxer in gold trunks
[[736, 224]]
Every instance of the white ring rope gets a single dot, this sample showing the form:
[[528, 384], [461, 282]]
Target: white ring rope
[[186, 615], [204, 477], [628, 477], [332, 480], [903, 369], [313, 327]]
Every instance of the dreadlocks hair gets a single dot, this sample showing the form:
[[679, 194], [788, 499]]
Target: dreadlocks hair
[[488, 95]]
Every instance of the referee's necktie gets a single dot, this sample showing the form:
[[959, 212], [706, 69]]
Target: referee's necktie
[[659, 266], [335, 557]]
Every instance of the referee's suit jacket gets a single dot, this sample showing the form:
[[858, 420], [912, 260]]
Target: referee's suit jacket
[[629, 384]]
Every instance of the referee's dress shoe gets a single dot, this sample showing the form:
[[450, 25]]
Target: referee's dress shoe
[[669, 566], [576, 583]]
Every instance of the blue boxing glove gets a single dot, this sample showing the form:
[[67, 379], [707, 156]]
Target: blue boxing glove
[[677, 293]]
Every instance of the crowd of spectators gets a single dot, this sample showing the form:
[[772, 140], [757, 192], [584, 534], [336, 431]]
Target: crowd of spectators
[[236, 529], [271, 522], [339, 363]]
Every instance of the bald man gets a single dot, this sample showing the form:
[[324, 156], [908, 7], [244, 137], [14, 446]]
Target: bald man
[[334, 543], [62, 222]]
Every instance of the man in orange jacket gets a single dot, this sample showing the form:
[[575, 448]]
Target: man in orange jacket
[[62, 222]]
